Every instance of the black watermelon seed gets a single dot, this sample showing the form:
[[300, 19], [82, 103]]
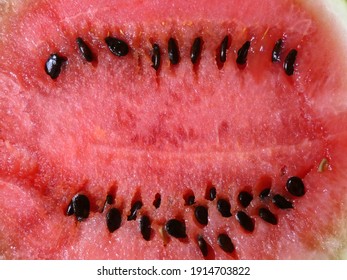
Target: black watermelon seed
[[109, 199], [145, 227], [289, 62], [54, 64], [281, 202], [295, 186], [277, 51], [174, 54], [245, 198], [70, 210], [203, 246], [157, 201], [225, 243], [176, 228], [85, 50], [190, 200], [223, 49], [134, 208], [267, 216], [117, 46], [245, 221], [156, 56], [242, 53], [201, 214], [264, 193], [81, 206], [223, 207], [212, 194], [113, 219], [195, 51]]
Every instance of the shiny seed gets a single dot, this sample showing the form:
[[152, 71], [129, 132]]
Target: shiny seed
[[117, 46], [85, 50], [289, 62], [54, 64], [190, 200], [212, 193], [277, 51], [242, 53], [156, 56], [70, 210], [245, 221], [81, 206], [134, 208], [201, 214], [223, 49], [245, 198], [225, 243], [113, 219], [174, 54], [267, 216], [145, 227], [202, 245], [223, 207], [295, 186], [176, 228], [281, 202], [195, 51], [264, 193]]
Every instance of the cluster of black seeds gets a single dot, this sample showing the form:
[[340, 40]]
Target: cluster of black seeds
[[80, 207], [119, 47]]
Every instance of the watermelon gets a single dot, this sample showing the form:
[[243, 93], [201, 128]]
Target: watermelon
[[172, 130]]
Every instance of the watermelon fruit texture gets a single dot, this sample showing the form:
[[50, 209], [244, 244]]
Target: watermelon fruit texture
[[144, 148]]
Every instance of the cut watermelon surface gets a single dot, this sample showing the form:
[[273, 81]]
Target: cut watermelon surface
[[147, 143]]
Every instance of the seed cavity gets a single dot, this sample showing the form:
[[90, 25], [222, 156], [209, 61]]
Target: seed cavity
[[225, 243], [264, 193], [289, 62], [190, 200], [54, 64], [223, 49], [117, 46], [277, 51], [113, 219], [134, 208], [176, 228], [145, 227], [223, 207], [189, 197], [173, 50], [109, 199], [245, 198], [195, 51], [201, 215], [245, 221], [203, 245], [281, 202], [295, 186], [267, 216], [156, 56], [242, 53], [157, 200], [85, 50]]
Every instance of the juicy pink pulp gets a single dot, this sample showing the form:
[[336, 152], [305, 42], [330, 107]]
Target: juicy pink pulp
[[117, 126]]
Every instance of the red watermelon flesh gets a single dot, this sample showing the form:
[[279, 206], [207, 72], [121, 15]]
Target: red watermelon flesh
[[116, 126]]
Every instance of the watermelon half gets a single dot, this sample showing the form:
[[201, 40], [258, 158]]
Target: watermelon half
[[117, 146]]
